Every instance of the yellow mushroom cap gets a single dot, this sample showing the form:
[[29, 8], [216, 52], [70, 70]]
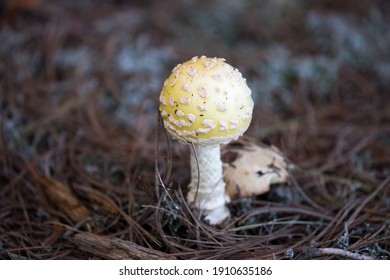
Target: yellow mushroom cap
[[206, 101]]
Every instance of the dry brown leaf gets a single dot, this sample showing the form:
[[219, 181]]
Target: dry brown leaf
[[98, 198], [60, 196], [250, 168]]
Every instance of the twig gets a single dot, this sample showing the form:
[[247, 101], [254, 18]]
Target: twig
[[317, 252], [115, 248]]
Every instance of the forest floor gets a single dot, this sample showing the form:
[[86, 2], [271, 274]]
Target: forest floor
[[79, 87]]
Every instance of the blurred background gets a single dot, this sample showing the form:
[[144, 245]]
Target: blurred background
[[79, 87]]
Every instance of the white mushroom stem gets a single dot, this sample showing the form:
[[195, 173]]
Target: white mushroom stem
[[207, 188]]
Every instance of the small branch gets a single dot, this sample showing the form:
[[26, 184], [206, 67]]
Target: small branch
[[115, 248], [317, 252]]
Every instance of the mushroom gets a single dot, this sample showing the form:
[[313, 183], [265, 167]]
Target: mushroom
[[206, 102]]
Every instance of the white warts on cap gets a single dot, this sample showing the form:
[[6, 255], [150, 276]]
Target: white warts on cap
[[187, 133], [162, 100], [222, 107], [171, 102], [179, 113], [233, 124], [191, 118], [174, 121], [176, 68], [192, 72], [247, 115], [208, 123], [185, 87], [184, 100], [208, 65], [224, 125], [176, 76], [203, 130], [202, 107], [202, 91], [184, 123]]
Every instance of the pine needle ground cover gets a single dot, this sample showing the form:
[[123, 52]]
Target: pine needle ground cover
[[88, 172]]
